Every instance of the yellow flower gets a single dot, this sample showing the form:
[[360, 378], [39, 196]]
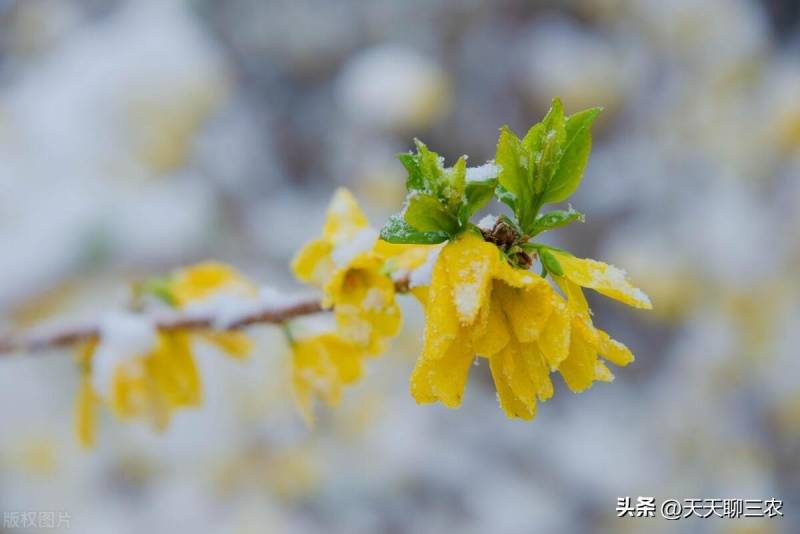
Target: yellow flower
[[154, 384], [478, 304], [149, 386], [321, 365], [164, 378], [347, 263]]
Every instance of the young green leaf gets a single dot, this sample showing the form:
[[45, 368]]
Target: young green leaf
[[454, 181], [427, 214], [575, 155], [478, 194], [544, 143], [514, 178], [396, 230], [556, 219]]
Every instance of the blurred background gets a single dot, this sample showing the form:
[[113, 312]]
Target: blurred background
[[139, 136]]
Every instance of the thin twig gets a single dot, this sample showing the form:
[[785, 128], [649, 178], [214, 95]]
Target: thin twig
[[52, 337], [49, 338]]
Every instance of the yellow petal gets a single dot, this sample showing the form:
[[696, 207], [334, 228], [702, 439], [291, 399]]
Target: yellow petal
[[444, 378], [201, 280], [576, 300], [364, 304], [538, 371], [614, 351], [86, 405], [496, 334], [172, 367], [602, 373], [511, 404], [604, 278], [313, 263], [527, 308], [321, 366], [235, 344], [344, 218], [515, 370], [553, 342], [471, 264], [578, 369], [441, 322]]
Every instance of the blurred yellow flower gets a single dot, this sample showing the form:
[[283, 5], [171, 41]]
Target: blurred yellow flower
[[321, 365], [347, 263], [164, 378]]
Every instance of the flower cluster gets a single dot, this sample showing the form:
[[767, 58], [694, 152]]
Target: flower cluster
[[483, 299], [488, 290]]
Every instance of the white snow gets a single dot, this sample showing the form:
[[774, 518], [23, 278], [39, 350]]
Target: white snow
[[421, 276], [374, 300], [466, 294], [229, 308], [345, 252], [123, 337], [488, 222], [485, 172], [618, 279]]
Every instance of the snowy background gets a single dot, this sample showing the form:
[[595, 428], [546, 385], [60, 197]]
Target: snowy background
[[138, 136]]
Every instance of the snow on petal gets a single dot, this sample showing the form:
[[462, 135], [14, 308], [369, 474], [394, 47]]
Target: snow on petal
[[604, 278], [123, 337]]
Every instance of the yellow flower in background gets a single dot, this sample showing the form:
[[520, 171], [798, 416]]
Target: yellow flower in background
[[365, 308], [87, 402], [153, 385], [150, 386], [322, 365], [348, 265], [163, 376]]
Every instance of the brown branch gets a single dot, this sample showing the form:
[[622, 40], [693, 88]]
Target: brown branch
[[52, 337]]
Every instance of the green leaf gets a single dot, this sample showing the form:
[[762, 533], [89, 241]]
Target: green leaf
[[544, 143], [427, 214], [506, 197], [396, 230], [431, 167], [158, 287], [550, 262], [414, 181], [575, 155], [455, 183], [514, 176], [556, 219], [477, 195]]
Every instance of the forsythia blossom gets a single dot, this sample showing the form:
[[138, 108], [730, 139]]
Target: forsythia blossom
[[353, 268], [163, 377]]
